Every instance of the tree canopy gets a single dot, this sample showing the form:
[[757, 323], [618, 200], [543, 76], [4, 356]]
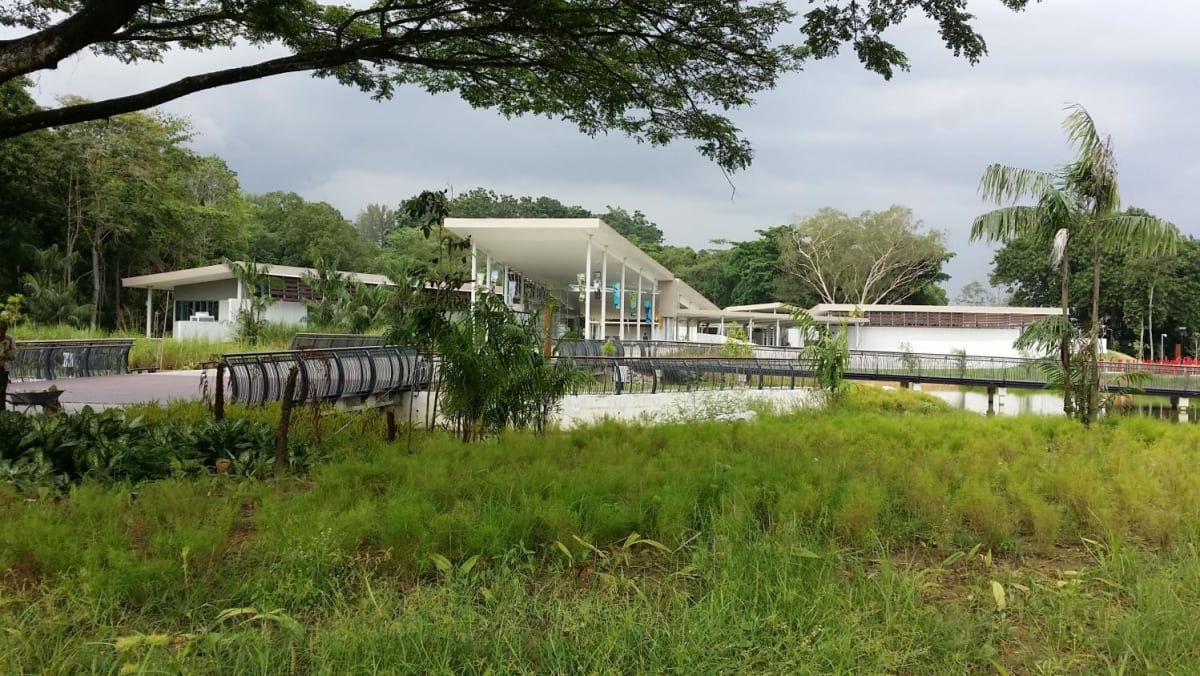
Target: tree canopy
[[875, 257], [657, 70]]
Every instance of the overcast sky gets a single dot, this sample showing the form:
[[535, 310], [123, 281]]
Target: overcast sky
[[834, 135]]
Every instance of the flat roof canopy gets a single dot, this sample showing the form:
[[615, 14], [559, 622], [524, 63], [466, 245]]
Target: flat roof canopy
[[215, 273], [554, 249]]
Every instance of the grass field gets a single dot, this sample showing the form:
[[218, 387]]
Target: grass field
[[885, 535]]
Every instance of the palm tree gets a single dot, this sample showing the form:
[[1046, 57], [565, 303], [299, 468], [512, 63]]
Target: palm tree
[[1080, 197], [1052, 218], [1093, 178]]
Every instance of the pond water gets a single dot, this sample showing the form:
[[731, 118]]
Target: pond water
[[1018, 402]]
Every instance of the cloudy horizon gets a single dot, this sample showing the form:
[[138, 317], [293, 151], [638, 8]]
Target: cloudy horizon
[[833, 135]]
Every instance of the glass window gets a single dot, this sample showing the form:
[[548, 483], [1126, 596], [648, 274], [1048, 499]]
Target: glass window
[[186, 309]]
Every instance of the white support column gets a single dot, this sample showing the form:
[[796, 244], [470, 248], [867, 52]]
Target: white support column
[[624, 309], [638, 326], [721, 331], [604, 295], [778, 342], [1183, 410], [653, 307], [587, 291], [487, 276], [750, 331], [474, 272], [149, 313]]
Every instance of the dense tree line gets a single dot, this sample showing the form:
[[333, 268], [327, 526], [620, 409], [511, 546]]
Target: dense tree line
[[1142, 297], [91, 203]]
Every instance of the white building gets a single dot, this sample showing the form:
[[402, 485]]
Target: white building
[[604, 286], [206, 300], [979, 331]]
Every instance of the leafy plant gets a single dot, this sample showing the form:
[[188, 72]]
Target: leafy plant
[[907, 357], [494, 372], [826, 353], [251, 317], [737, 344], [960, 359], [10, 311]]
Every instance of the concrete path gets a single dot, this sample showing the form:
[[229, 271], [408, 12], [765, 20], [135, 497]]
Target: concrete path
[[133, 388]]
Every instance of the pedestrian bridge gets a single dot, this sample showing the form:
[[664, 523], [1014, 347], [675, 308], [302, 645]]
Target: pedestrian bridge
[[372, 375], [653, 367]]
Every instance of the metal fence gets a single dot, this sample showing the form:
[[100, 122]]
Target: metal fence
[[312, 341], [52, 359], [326, 375], [650, 375], [670, 366]]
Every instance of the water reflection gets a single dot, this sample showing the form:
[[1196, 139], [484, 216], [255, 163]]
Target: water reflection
[[1019, 402]]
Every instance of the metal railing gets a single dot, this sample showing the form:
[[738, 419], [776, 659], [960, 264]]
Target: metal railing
[[687, 366], [324, 341], [326, 375], [357, 373], [52, 359]]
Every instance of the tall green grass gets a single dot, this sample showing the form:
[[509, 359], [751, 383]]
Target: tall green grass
[[168, 353], [852, 540]]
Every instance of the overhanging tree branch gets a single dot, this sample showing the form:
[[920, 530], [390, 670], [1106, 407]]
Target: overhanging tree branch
[[45, 48]]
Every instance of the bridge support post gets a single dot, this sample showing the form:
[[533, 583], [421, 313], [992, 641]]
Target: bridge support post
[[1183, 410], [1175, 408], [390, 434], [991, 394], [915, 387], [1001, 395], [905, 385]]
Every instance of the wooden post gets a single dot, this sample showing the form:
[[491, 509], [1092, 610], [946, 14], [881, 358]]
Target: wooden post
[[285, 416], [219, 399]]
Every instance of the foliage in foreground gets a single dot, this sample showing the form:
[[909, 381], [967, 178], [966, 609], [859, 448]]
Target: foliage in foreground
[[842, 541], [56, 450]]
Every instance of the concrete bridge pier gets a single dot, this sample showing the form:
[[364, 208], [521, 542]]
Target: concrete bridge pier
[[991, 392], [1001, 395], [1179, 409], [909, 385]]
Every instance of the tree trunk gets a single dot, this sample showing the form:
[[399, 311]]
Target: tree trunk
[[1064, 348], [1093, 365], [285, 419], [97, 282], [1150, 322]]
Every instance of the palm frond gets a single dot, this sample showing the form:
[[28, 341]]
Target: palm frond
[[1081, 131], [1003, 184], [1144, 235], [1044, 336], [1006, 223]]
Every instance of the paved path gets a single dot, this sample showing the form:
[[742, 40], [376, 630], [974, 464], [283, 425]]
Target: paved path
[[134, 388]]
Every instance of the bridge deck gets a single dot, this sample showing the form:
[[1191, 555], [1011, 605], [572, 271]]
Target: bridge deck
[[120, 390]]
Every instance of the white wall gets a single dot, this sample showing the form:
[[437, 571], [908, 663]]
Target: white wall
[[976, 342], [211, 331], [286, 312]]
